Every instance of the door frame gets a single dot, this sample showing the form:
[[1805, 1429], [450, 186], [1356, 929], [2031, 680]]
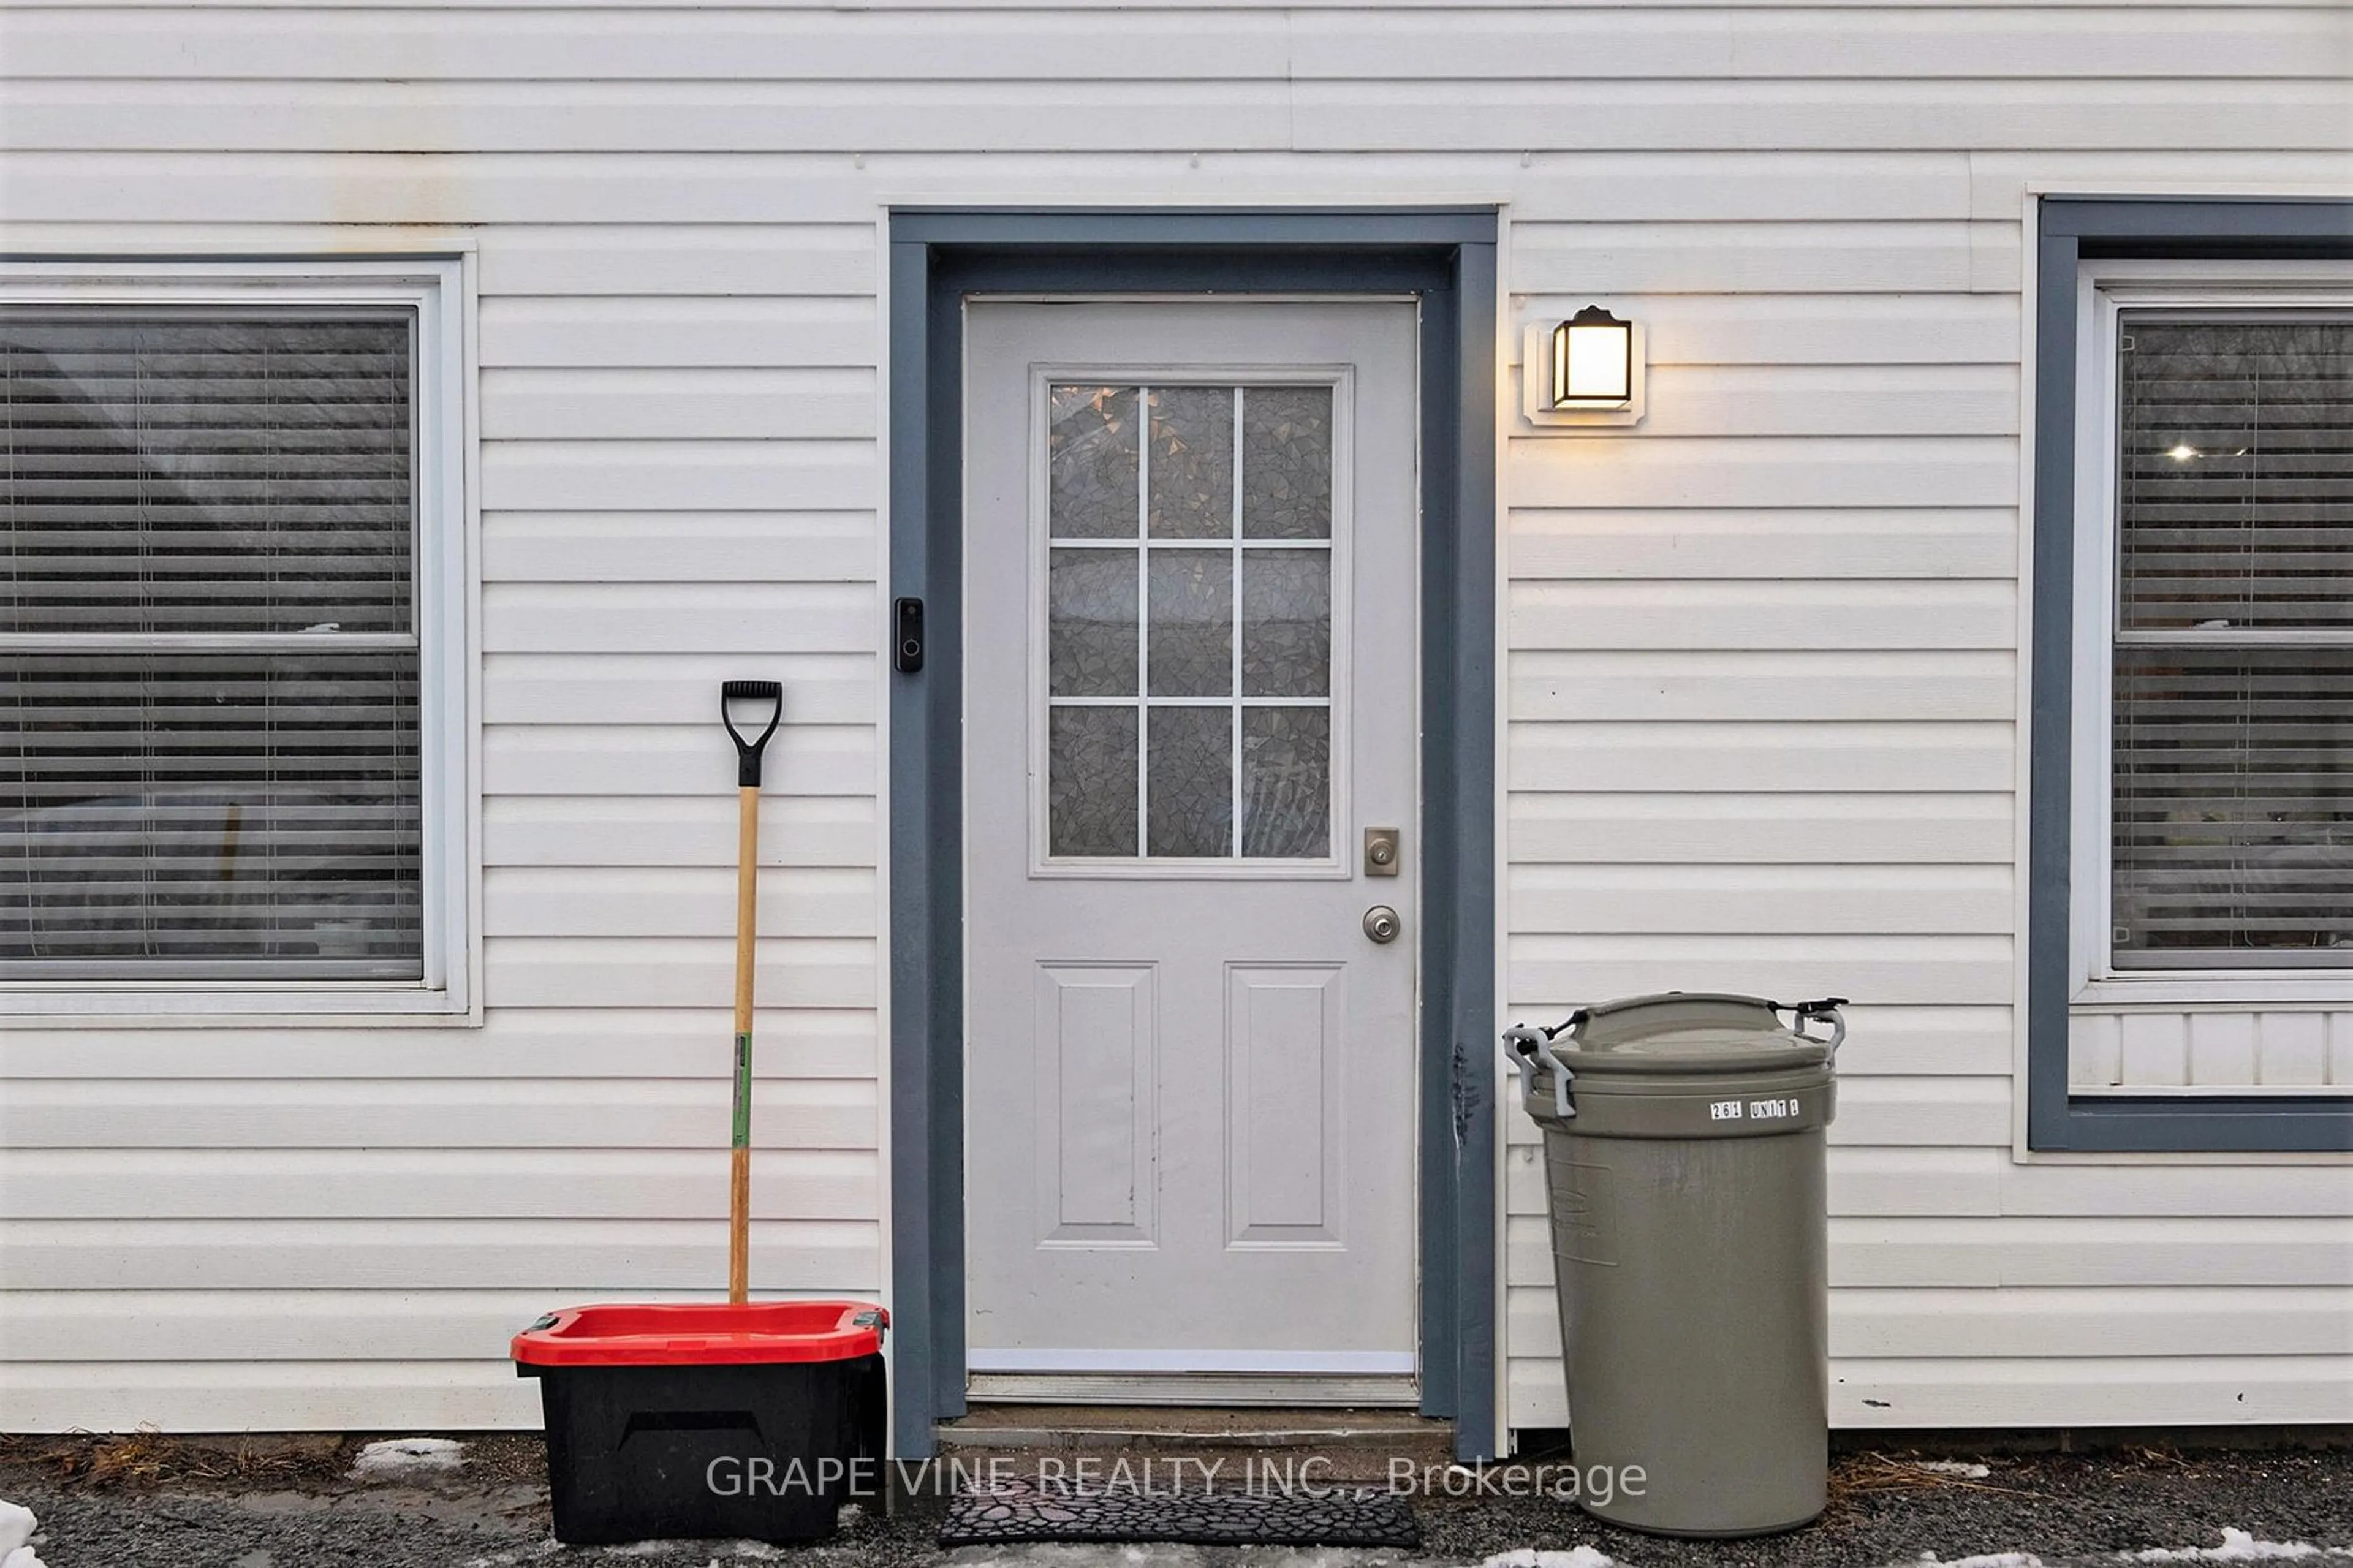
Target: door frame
[[1446, 256]]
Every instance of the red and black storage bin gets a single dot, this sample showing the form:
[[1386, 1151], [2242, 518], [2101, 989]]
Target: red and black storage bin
[[700, 1420]]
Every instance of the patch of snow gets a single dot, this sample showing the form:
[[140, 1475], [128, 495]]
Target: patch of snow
[[1299, 1557], [2238, 1546], [1529, 1557], [1961, 1468], [16, 1526], [401, 1456], [1990, 1559], [509, 1558]]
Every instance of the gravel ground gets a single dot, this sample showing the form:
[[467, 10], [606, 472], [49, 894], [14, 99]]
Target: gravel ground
[[147, 1502]]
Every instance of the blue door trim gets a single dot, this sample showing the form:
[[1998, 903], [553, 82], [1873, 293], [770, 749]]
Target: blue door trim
[[1445, 257]]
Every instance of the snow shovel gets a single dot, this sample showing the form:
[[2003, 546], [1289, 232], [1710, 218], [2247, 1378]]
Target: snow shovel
[[747, 885]]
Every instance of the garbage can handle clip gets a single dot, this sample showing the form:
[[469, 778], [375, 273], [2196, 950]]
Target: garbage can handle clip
[[1827, 1010], [1525, 1045]]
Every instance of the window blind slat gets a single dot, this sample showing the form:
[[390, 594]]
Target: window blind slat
[[2235, 473], [2232, 781], [2233, 806], [194, 813], [215, 814], [159, 473]]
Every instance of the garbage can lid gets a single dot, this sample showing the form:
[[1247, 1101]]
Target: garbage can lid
[[1686, 1032], [664, 1333]]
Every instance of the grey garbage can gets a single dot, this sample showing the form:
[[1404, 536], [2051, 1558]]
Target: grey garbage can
[[1684, 1156]]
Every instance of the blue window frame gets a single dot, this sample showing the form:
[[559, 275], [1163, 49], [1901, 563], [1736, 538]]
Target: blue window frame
[[2075, 232]]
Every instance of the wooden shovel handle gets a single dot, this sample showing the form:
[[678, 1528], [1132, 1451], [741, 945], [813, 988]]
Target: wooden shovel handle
[[747, 892], [739, 1226], [739, 1165]]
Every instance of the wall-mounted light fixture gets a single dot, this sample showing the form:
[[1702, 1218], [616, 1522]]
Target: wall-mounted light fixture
[[1585, 371], [1593, 361]]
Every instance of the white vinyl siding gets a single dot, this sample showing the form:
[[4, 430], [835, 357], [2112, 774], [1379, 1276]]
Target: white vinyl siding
[[1762, 661]]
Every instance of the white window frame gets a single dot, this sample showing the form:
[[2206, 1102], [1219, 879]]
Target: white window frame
[[436, 289], [2105, 290]]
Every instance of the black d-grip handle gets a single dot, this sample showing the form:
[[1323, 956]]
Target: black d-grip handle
[[747, 752]]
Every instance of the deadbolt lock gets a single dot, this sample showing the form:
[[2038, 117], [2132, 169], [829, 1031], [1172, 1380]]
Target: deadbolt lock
[[1380, 851], [1381, 924]]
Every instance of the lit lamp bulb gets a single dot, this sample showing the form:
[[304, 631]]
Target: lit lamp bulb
[[1593, 361]]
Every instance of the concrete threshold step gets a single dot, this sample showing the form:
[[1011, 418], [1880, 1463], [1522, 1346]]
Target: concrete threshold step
[[1345, 1445], [1110, 1425]]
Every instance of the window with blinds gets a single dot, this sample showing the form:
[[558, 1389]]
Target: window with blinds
[[2232, 785], [209, 661]]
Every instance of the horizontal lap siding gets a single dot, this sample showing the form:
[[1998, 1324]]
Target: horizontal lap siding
[[1761, 679], [678, 480]]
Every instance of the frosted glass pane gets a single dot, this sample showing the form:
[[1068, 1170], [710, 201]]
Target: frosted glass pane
[[1287, 782], [1192, 623], [1286, 623], [1091, 647], [1090, 463], [1192, 462], [1091, 780], [1287, 462], [1192, 782]]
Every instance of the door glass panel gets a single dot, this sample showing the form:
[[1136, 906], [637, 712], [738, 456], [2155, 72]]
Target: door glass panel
[[1192, 623], [1287, 462], [1287, 782], [1191, 789], [1091, 461], [1286, 623], [1192, 462], [1188, 676], [1091, 647], [1091, 757]]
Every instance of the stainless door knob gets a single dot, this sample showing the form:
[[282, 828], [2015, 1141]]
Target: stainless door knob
[[1381, 924]]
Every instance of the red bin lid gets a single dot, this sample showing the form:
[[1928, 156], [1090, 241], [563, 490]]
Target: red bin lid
[[675, 1334]]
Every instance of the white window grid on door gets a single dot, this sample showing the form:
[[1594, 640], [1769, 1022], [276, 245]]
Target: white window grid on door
[[1043, 542]]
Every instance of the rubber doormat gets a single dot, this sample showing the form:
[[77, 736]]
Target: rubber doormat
[[1016, 1510]]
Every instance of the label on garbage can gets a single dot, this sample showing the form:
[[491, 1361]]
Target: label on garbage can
[[1636, 1107], [1775, 1109]]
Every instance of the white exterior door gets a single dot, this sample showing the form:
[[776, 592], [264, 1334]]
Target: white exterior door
[[1190, 652]]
